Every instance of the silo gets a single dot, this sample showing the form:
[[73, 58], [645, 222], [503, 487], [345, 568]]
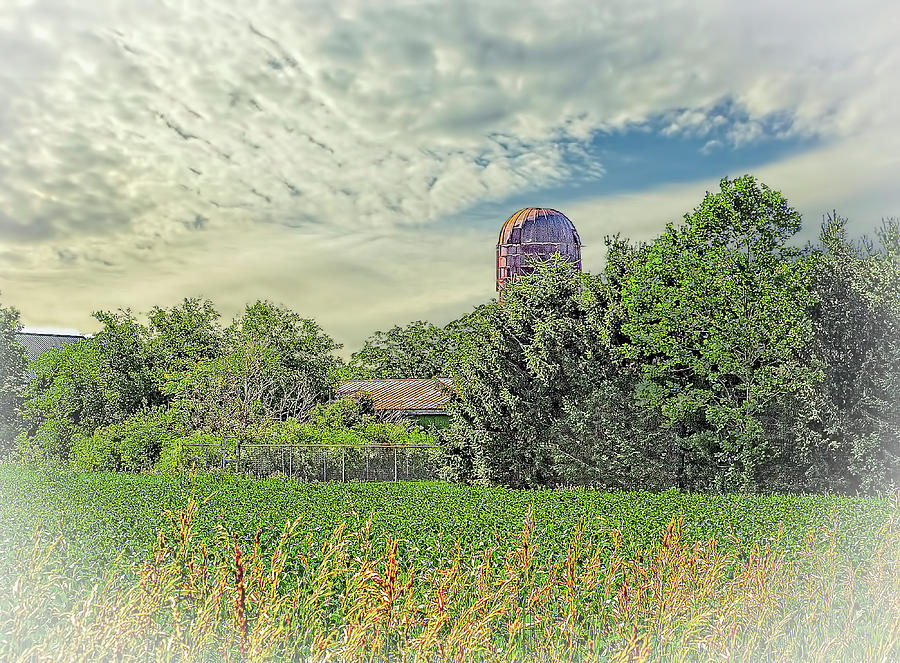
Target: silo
[[534, 233]]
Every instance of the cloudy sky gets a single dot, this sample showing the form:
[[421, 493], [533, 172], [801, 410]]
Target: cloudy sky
[[355, 160]]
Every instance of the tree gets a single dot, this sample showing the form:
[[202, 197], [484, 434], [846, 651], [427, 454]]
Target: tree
[[127, 363], [242, 390], [272, 365], [846, 432], [300, 343], [13, 363], [716, 311], [269, 364], [118, 373], [414, 351], [140, 356], [530, 366], [182, 335], [457, 339], [74, 390]]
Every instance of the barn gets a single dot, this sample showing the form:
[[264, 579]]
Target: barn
[[423, 400]]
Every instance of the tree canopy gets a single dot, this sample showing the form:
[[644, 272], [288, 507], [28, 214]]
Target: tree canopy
[[717, 313]]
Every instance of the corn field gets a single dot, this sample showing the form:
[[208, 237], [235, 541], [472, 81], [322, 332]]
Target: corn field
[[295, 594]]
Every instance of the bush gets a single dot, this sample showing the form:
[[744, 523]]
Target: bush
[[340, 413], [176, 455], [52, 438], [329, 428], [133, 445]]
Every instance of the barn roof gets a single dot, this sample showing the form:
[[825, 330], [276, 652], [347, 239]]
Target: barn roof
[[413, 395], [36, 344]]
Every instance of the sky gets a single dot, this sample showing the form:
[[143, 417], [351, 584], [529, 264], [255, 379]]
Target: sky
[[355, 160]]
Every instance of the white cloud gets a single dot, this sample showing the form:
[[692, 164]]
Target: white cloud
[[149, 150], [857, 178], [351, 285]]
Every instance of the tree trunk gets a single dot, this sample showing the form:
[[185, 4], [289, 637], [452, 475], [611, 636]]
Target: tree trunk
[[681, 453]]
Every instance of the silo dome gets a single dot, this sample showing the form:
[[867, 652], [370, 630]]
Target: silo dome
[[535, 233]]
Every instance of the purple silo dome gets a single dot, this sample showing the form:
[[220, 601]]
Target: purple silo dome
[[535, 233]]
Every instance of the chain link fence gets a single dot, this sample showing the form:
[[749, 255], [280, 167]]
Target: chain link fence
[[325, 462]]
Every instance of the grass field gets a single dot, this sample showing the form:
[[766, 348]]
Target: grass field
[[279, 569]]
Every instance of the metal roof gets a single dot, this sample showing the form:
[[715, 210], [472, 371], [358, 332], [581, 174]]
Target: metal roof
[[416, 395], [37, 344], [538, 224]]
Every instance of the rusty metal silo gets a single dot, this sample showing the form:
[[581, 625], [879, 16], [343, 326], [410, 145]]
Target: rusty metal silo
[[534, 233]]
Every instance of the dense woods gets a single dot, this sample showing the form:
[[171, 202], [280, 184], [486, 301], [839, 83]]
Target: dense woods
[[717, 357]]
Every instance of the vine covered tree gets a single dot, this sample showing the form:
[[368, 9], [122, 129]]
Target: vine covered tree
[[541, 398]]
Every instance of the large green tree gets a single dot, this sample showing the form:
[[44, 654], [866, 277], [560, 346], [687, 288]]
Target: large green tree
[[140, 355], [241, 390], [183, 335], [272, 364], [74, 390], [540, 398], [716, 312], [119, 372], [301, 345]]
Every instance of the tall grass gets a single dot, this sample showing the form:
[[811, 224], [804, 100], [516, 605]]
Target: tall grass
[[674, 601]]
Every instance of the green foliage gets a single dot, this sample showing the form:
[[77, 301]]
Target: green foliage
[[117, 373], [182, 336], [133, 445], [272, 365], [12, 378], [73, 391], [716, 312], [418, 350], [268, 364], [338, 423], [234, 392], [102, 514], [846, 432], [127, 363], [415, 351], [433, 421], [533, 364], [340, 413], [181, 453], [349, 421]]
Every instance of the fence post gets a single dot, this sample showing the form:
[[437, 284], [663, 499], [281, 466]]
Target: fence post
[[343, 456], [395, 463], [323, 464], [237, 456], [366, 452]]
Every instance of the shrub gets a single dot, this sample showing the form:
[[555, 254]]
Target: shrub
[[341, 413], [176, 455], [132, 445], [355, 458]]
